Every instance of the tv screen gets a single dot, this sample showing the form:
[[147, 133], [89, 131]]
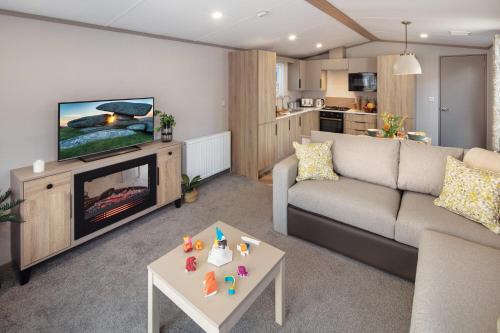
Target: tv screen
[[87, 128]]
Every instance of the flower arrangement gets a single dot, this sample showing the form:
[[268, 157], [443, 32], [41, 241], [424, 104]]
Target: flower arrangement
[[392, 124]]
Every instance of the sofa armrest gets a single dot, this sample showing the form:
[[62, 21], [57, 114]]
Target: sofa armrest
[[284, 174]]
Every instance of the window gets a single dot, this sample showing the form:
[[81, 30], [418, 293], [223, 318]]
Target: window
[[280, 79]]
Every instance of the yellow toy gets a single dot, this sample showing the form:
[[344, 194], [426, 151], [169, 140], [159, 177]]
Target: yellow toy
[[198, 245]]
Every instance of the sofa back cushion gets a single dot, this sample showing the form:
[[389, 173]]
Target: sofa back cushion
[[422, 167], [365, 158], [482, 159]]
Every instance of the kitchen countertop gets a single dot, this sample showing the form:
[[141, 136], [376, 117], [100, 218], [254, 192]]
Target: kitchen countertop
[[305, 109]]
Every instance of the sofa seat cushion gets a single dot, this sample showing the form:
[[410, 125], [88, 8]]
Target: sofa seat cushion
[[456, 287], [418, 213], [363, 205]]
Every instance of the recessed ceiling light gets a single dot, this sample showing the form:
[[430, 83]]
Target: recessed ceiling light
[[319, 45], [262, 13], [217, 15], [292, 37], [460, 33], [424, 35]]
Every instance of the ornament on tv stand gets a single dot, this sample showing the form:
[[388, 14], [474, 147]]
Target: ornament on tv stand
[[220, 254]]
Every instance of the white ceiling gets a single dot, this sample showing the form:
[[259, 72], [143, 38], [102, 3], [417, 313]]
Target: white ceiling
[[240, 27]]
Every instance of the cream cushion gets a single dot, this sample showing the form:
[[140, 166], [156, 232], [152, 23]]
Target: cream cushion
[[456, 287], [482, 159], [422, 167], [363, 205], [472, 193], [418, 213], [315, 161], [373, 160]]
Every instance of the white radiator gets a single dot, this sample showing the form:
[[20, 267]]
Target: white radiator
[[208, 155]]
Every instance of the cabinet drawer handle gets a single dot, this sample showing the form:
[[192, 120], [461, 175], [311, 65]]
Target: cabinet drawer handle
[[170, 153], [300, 83], [49, 186], [157, 176], [276, 129]]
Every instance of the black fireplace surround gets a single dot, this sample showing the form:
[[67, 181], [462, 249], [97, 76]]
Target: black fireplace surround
[[113, 204]]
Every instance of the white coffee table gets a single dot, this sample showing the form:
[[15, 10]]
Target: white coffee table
[[220, 312]]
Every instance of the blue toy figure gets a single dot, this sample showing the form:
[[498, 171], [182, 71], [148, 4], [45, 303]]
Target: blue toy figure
[[220, 240], [232, 280]]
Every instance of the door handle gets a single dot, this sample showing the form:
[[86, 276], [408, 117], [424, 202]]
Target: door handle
[[445, 109]]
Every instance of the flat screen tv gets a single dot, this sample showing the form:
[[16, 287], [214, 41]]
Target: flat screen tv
[[92, 127]]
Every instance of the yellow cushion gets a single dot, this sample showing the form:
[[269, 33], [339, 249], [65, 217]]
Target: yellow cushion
[[472, 193], [315, 161]]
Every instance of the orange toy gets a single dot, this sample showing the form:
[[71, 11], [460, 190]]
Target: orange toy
[[188, 245], [210, 283], [198, 245]]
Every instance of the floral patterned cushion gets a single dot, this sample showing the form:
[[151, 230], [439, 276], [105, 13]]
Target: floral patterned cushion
[[472, 193], [315, 161]]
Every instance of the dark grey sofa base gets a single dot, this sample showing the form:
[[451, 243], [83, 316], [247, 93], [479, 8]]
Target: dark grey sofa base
[[383, 253]]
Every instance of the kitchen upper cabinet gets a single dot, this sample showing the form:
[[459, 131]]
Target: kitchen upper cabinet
[[297, 75], [395, 93], [315, 81], [268, 142], [362, 65], [46, 211], [334, 64]]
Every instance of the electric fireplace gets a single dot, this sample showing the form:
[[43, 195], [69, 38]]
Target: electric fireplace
[[107, 195]]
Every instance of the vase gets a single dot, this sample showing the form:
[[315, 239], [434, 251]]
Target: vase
[[166, 133], [191, 197]]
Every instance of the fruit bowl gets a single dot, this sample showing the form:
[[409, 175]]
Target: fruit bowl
[[417, 136]]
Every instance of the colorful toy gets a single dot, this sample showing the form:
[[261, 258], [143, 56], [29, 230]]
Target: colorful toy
[[220, 254], [198, 245], [188, 244], [244, 248], [210, 284], [242, 271], [191, 264], [232, 280]]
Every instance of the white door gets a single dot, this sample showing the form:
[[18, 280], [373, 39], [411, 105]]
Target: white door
[[463, 101]]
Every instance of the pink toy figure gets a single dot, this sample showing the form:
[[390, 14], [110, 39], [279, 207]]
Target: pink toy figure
[[191, 264], [188, 244], [242, 271]]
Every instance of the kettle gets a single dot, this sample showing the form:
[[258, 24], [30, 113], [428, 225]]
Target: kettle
[[319, 102]]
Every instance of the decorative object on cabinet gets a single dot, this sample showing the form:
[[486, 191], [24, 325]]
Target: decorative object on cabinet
[[167, 124], [38, 166], [406, 64], [392, 124], [189, 188]]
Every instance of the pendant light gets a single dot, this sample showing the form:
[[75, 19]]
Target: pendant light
[[406, 64]]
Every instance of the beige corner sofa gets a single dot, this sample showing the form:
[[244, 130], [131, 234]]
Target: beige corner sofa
[[381, 212]]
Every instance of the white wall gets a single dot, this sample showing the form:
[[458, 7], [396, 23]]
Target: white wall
[[43, 63], [427, 113]]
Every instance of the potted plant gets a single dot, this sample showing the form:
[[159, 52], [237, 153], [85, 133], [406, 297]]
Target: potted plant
[[189, 188], [392, 124], [167, 123], [5, 209]]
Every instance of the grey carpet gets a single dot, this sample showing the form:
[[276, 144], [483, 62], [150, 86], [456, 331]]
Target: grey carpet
[[101, 286]]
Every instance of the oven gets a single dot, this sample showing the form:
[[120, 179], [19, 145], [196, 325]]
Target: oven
[[331, 121]]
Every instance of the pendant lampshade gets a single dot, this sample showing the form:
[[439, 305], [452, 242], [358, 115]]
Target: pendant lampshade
[[406, 64]]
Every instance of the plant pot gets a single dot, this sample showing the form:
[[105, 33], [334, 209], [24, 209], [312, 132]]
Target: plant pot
[[191, 197], [167, 134]]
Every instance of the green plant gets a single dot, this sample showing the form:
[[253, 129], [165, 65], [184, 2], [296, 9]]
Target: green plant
[[6, 206], [392, 124], [189, 185], [166, 120]]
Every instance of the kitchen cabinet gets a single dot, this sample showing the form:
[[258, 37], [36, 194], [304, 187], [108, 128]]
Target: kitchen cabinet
[[362, 65], [315, 76], [252, 100], [297, 75], [309, 122], [395, 93], [46, 212], [334, 64], [268, 142], [283, 138], [357, 124], [168, 162]]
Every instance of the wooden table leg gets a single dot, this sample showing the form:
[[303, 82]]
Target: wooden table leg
[[279, 286], [153, 316]]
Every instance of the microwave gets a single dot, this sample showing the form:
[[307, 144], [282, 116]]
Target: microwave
[[362, 81]]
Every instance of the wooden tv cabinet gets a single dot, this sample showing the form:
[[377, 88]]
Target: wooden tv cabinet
[[47, 210]]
